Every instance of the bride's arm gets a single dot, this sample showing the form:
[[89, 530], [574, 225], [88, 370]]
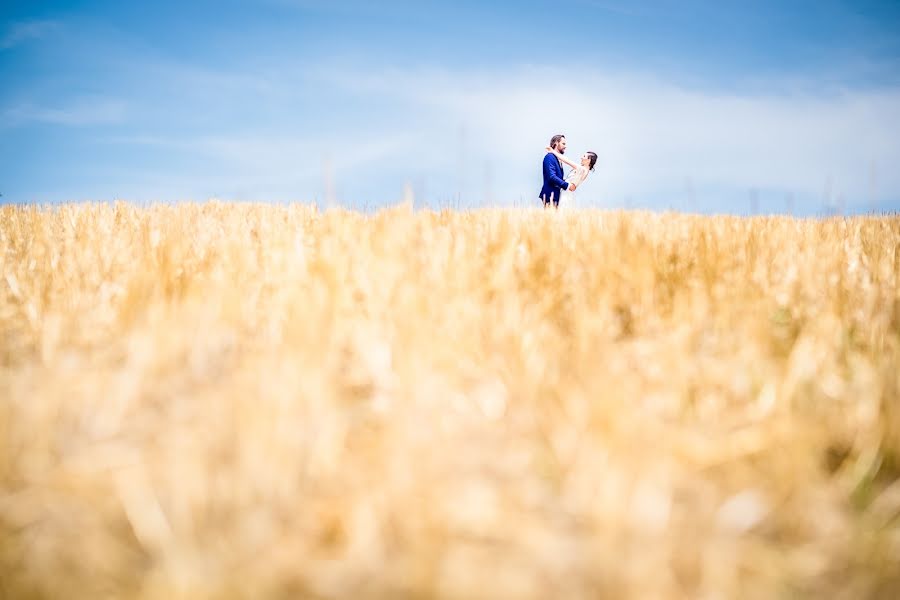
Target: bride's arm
[[562, 158]]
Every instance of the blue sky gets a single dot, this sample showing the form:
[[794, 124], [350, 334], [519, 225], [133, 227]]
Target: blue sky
[[706, 106]]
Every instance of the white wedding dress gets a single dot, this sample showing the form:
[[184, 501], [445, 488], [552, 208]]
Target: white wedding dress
[[567, 199]]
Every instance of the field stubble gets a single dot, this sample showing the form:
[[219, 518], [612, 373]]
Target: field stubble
[[231, 400]]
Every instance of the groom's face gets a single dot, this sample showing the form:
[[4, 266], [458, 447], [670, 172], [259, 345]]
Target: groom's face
[[561, 146]]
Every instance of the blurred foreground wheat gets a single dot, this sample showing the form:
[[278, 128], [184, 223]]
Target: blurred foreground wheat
[[256, 401]]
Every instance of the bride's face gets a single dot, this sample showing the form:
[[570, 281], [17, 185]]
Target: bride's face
[[585, 160]]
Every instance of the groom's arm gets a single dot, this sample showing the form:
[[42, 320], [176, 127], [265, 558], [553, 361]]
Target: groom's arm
[[551, 168], [562, 158]]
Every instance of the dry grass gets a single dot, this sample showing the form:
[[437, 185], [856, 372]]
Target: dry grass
[[255, 401]]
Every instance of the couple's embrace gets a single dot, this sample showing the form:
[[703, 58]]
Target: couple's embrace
[[555, 185]]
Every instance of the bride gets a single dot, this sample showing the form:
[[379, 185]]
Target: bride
[[576, 176]]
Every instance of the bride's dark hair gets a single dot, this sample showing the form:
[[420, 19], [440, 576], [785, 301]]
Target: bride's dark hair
[[593, 156]]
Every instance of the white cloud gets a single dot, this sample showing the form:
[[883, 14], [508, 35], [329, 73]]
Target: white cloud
[[273, 132], [269, 167], [274, 155], [20, 32], [77, 112], [653, 136]]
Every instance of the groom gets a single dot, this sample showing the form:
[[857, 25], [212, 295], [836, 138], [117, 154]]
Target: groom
[[553, 174]]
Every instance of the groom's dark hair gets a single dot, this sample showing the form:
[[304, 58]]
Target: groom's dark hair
[[555, 140]]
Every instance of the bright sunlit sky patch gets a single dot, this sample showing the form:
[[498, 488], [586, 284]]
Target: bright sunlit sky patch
[[722, 106]]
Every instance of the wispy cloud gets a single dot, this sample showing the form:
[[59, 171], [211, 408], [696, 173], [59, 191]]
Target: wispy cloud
[[269, 166], [78, 112], [276, 127], [23, 31], [278, 153], [455, 130], [652, 135], [631, 9]]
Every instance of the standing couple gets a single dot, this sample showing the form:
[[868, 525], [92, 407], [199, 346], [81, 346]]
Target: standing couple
[[555, 185]]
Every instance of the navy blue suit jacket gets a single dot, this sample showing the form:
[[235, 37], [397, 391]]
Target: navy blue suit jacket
[[553, 179]]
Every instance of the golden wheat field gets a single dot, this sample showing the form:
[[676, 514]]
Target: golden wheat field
[[257, 401]]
